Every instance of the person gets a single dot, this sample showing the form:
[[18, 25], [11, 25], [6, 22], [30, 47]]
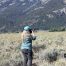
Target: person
[[26, 47]]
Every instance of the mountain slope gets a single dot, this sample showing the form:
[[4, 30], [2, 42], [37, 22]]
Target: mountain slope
[[14, 14]]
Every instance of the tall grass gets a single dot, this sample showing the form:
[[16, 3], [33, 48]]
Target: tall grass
[[44, 47]]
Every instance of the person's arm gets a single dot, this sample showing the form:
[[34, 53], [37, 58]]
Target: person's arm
[[22, 36], [33, 36]]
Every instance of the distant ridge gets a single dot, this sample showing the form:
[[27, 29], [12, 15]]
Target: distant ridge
[[47, 14]]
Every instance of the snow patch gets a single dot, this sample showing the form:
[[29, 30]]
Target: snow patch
[[3, 1], [60, 11], [23, 4], [49, 15], [64, 1], [45, 1], [38, 8], [11, 4]]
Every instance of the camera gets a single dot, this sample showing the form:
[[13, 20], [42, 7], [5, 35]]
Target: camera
[[30, 31]]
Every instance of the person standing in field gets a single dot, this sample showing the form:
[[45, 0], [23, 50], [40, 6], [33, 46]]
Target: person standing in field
[[26, 47]]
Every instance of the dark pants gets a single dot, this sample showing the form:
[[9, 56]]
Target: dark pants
[[27, 54]]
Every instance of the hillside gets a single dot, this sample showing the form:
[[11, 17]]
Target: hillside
[[14, 14]]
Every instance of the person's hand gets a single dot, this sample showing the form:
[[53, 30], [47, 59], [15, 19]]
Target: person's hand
[[32, 33]]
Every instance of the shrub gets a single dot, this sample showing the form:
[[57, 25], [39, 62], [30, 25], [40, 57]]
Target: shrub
[[52, 56], [57, 29], [48, 55], [64, 55]]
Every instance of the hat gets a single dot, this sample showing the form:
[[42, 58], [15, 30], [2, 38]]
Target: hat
[[27, 28]]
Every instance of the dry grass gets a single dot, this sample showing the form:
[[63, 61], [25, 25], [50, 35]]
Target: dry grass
[[46, 43]]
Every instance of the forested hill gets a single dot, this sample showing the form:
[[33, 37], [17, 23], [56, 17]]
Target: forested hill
[[40, 14]]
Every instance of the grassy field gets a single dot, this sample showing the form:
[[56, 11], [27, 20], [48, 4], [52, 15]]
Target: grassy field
[[49, 49]]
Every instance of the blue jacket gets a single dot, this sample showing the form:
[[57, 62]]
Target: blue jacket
[[27, 42]]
